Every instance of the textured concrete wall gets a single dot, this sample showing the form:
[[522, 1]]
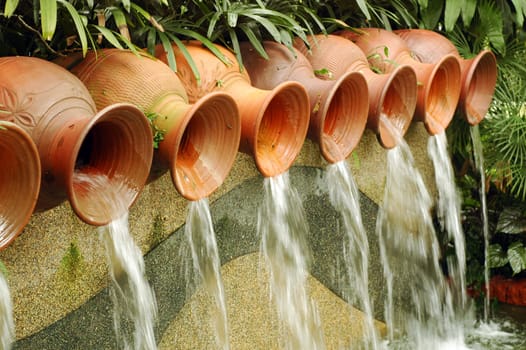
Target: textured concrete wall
[[57, 305]]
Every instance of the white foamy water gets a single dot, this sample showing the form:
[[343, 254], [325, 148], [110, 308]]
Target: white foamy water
[[448, 212], [206, 264], [345, 198], [7, 324], [410, 256], [134, 304], [478, 154], [283, 227]]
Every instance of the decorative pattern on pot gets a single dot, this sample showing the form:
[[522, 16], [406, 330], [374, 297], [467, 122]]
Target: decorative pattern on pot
[[274, 122], [84, 155], [392, 95], [19, 180], [479, 74], [438, 83], [339, 107], [201, 138]]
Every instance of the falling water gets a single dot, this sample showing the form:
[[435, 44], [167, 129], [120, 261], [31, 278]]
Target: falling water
[[200, 235], [7, 324], [134, 304], [345, 198], [479, 162], [283, 227], [448, 212], [410, 253]]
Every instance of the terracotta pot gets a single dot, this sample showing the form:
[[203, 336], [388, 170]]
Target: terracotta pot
[[509, 291], [19, 180], [392, 96], [202, 138], [479, 74], [339, 107], [439, 83], [99, 161], [273, 122]]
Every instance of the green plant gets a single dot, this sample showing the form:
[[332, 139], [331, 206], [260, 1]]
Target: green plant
[[71, 260], [158, 134]]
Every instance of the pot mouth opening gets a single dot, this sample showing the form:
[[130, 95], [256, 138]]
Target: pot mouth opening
[[282, 128], [347, 109], [479, 87], [112, 164], [442, 95], [19, 181], [398, 104], [208, 146]]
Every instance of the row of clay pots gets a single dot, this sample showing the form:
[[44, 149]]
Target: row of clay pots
[[93, 122]]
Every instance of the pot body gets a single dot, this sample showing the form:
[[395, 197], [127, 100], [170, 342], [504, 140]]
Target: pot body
[[479, 73], [274, 122], [200, 139], [98, 160], [438, 83], [19, 180], [392, 96], [339, 107]]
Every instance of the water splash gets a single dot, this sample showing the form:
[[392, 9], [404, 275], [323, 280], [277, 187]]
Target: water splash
[[478, 154], [201, 238], [345, 198], [408, 247], [134, 304], [448, 212], [283, 227], [7, 324]]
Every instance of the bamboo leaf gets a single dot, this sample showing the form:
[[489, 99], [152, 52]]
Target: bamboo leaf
[[79, 25], [468, 11], [126, 4], [256, 43], [268, 25], [235, 46], [362, 4], [48, 18], [212, 24], [170, 55], [10, 7], [108, 35], [188, 58], [209, 44]]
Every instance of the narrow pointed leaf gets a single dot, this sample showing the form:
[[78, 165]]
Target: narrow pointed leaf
[[126, 4], [206, 42], [10, 7], [79, 24], [451, 13], [189, 59], [258, 46], [48, 18], [109, 35], [170, 55]]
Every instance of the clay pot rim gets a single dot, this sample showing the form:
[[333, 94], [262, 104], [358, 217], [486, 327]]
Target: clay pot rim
[[354, 77], [100, 116], [6, 238], [226, 100], [289, 87]]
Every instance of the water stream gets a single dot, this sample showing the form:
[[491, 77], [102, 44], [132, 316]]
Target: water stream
[[283, 229], [206, 264], [449, 216], [134, 304], [7, 324], [478, 154], [419, 311], [345, 198]]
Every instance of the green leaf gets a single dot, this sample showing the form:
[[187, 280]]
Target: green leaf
[[468, 11], [126, 4], [235, 45], [188, 57], [207, 43], [118, 16], [496, 257], [268, 25], [254, 40], [520, 10], [451, 13], [79, 25], [170, 55], [363, 7], [512, 220], [48, 18], [10, 7], [109, 35], [212, 24], [517, 257], [232, 19]]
